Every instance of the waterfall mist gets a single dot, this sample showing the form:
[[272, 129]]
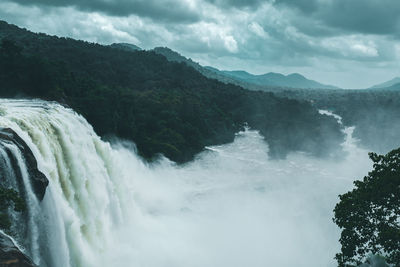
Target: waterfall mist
[[231, 206]]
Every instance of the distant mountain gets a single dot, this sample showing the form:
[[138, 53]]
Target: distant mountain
[[293, 80], [126, 46], [266, 82], [209, 72], [387, 84], [394, 87]]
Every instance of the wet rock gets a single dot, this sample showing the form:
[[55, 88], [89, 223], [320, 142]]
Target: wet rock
[[38, 179], [11, 256]]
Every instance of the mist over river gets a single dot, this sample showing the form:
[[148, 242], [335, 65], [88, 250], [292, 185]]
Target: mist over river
[[232, 206]]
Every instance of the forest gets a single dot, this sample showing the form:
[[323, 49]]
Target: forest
[[164, 107], [375, 113]]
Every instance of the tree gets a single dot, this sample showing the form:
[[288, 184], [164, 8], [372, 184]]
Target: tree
[[9, 49], [369, 215]]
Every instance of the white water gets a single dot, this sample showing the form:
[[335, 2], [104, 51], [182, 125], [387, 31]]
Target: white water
[[231, 207], [31, 202], [14, 242]]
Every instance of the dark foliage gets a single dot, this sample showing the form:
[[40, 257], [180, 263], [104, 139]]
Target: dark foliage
[[369, 215], [374, 113], [9, 197], [165, 107]]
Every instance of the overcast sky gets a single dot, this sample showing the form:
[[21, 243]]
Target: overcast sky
[[348, 43]]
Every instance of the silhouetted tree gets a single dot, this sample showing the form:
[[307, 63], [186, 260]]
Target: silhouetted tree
[[369, 215]]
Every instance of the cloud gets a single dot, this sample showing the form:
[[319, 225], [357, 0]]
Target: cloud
[[397, 51], [237, 3], [356, 16], [167, 10], [258, 30], [306, 6], [93, 27], [320, 38], [351, 46], [364, 16]]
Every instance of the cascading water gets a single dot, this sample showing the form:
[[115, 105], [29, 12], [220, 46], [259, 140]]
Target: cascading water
[[31, 202], [231, 206]]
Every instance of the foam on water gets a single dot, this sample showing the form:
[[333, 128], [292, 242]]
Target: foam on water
[[231, 206]]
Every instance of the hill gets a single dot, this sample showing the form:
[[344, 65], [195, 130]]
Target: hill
[[126, 46], [163, 106], [293, 80], [387, 84], [174, 56], [395, 87], [266, 82]]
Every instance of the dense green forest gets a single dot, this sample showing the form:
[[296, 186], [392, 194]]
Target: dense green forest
[[164, 107], [374, 113]]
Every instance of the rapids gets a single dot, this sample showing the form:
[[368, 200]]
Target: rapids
[[231, 206]]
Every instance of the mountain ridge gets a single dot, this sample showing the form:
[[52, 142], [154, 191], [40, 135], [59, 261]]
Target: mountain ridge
[[386, 84], [394, 87], [126, 46], [293, 80], [265, 82]]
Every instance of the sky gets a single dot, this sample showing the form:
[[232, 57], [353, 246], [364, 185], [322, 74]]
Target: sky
[[347, 43]]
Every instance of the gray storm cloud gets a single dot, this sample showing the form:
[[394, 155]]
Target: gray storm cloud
[[166, 10], [351, 44], [236, 3], [359, 16]]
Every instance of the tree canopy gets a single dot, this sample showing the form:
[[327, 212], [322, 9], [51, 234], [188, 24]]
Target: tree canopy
[[164, 107], [369, 215]]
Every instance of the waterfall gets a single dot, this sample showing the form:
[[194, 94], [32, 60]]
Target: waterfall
[[86, 196], [31, 202], [231, 206], [350, 143]]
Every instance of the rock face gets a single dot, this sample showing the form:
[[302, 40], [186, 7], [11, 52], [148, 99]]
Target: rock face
[[38, 179], [11, 256]]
